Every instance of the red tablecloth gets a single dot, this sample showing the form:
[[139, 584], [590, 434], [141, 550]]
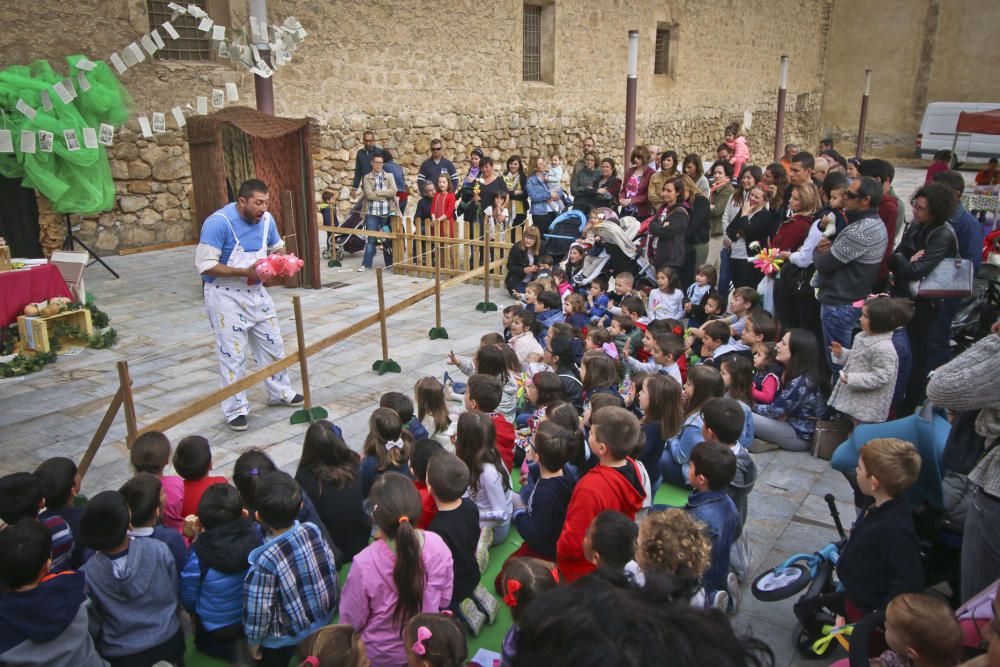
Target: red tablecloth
[[19, 288]]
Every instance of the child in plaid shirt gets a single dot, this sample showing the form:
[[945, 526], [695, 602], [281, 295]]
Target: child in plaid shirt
[[291, 590]]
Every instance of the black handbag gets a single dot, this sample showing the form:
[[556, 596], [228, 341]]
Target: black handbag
[[795, 281]]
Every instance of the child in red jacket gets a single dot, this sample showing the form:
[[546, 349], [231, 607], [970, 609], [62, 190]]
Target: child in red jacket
[[614, 484], [483, 394]]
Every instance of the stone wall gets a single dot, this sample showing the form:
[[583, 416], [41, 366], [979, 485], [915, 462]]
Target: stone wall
[[920, 51], [414, 70]]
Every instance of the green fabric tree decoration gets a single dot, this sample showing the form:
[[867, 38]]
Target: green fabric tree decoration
[[73, 181]]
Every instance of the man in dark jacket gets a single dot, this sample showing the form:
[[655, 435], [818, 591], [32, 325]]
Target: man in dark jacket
[[434, 166], [363, 160], [848, 266]]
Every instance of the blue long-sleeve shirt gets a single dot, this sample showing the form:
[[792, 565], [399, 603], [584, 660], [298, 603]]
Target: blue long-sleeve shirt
[[680, 445], [539, 194], [541, 523], [719, 514], [600, 307], [970, 236], [652, 450]]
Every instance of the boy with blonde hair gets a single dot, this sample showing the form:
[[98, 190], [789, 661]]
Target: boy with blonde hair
[[881, 558]]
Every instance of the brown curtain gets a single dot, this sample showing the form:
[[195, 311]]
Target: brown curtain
[[238, 157]]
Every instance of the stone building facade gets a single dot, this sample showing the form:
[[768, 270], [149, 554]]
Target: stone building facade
[[412, 71]]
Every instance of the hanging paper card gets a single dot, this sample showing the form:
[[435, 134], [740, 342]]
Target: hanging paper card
[[46, 100], [65, 93], [218, 33], [27, 141], [84, 64], [148, 44], [223, 50], [176, 9], [232, 92], [263, 70], [171, 30], [206, 24], [129, 55], [72, 142], [25, 108], [107, 134], [159, 122], [137, 52], [45, 140], [157, 39], [89, 137], [6, 142], [144, 126], [81, 80], [254, 28], [178, 116], [255, 52], [119, 64], [68, 85], [263, 31], [218, 98], [196, 11], [202, 105]]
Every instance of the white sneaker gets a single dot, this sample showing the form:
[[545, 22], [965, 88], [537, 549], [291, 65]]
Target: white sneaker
[[362, 269], [734, 591], [720, 601]]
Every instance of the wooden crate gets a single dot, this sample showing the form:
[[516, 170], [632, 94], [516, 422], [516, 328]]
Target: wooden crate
[[34, 331], [5, 263]]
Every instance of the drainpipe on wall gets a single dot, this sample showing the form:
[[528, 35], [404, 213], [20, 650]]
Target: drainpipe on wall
[[779, 124], [263, 86], [630, 92]]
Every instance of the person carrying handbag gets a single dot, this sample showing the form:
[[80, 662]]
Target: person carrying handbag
[[923, 246]]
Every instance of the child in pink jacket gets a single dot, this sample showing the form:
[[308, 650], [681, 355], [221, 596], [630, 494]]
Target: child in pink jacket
[[374, 601], [738, 144]]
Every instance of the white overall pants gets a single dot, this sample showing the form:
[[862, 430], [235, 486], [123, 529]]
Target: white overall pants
[[244, 320]]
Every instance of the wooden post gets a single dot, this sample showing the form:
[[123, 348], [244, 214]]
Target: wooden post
[[102, 431], [308, 413], [385, 364], [486, 306], [437, 331], [125, 382]]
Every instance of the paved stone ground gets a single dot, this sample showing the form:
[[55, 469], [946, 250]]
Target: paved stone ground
[[165, 336]]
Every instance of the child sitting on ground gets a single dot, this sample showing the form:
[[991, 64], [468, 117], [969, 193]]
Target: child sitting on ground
[[435, 640], [507, 314], [767, 373], [624, 283], [338, 644], [489, 480], [387, 448], [548, 311], [423, 451], [404, 572], [667, 300], [610, 543], [597, 338], [881, 558], [291, 589], [43, 617], [483, 395], [21, 498], [193, 462], [599, 375], [132, 586], [575, 310], [60, 484], [697, 294], [524, 579], [703, 384], [737, 375], [456, 520], [490, 360], [667, 349], [615, 483], [530, 297], [403, 406], [432, 410], [662, 415], [563, 285], [212, 579], [672, 542], [142, 495], [151, 453], [742, 302], [598, 300], [524, 329], [921, 631], [713, 466], [539, 519], [621, 329]]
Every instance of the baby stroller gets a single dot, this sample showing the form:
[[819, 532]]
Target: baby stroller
[[562, 232], [338, 244]]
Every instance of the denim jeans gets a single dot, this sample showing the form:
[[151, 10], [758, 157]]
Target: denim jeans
[[376, 223], [980, 544], [939, 335], [838, 325]]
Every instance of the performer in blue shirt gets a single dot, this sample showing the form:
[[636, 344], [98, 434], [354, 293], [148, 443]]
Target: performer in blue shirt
[[243, 316]]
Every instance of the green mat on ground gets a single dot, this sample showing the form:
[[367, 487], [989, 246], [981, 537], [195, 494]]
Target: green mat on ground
[[492, 635]]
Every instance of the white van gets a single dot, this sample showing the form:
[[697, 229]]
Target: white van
[[937, 132]]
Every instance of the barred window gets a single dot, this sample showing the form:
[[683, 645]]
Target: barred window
[[661, 62], [532, 61], [193, 44]]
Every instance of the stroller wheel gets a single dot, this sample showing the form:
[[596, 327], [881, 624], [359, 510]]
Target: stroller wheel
[[774, 585], [326, 254], [804, 640]]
